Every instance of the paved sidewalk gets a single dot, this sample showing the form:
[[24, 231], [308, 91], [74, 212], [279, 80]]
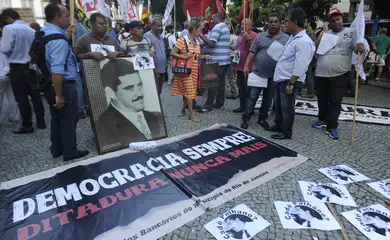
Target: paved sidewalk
[[24, 155]]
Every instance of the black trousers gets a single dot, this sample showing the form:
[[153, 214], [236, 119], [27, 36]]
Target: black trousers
[[242, 80], [160, 79], [217, 94], [19, 81], [330, 93]]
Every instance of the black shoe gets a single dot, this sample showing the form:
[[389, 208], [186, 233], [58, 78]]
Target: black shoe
[[205, 110], [24, 130], [41, 125], [274, 128], [280, 136], [78, 154], [232, 97], [238, 110], [263, 123], [57, 155], [244, 124], [219, 107], [81, 114]]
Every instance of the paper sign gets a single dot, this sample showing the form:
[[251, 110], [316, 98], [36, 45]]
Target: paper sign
[[104, 49], [275, 50], [327, 42], [139, 146], [143, 61], [326, 192], [382, 186], [256, 81], [236, 56], [237, 223], [342, 174], [305, 215], [372, 221]]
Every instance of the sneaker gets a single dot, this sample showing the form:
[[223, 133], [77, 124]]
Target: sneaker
[[333, 133], [318, 124]]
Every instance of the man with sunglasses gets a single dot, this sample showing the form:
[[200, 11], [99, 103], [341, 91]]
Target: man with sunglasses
[[97, 44]]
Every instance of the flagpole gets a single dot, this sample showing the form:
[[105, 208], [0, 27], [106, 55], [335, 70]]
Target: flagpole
[[71, 6], [174, 16], [356, 98]]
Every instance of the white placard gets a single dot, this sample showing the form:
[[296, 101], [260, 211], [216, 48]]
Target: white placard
[[328, 41], [372, 221], [104, 49], [381, 186], [238, 223], [256, 81], [236, 56], [275, 50], [143, 61], [326, 192], [342, 174], [140, 146], [305, 215]]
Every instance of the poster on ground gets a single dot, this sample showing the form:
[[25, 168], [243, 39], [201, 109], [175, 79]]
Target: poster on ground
[[326, 192], [383, 187], [237, 223], [365, 114], [141, 195], [305, 215], [372, 221], [342, 174]]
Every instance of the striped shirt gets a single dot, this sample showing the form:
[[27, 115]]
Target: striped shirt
[[221, 52]]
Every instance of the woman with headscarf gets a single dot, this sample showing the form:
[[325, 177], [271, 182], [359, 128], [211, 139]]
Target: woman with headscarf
[[187, 85]]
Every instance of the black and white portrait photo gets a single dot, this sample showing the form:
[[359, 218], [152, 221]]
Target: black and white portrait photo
[[237, 223], [382, 187], [143, 61], [342, 174], [326, 192], [125, 105], [372, 221], [304, 215]]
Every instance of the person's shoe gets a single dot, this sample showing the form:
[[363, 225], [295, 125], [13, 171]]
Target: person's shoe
[[274, 128], [238, 110], [332, 133], [263, 123], [78, 154], [81, 114], [308, 95], [41, 125], [244, 124], [318, 124], [219, 107], [205, 110], [57, 155], [24, 130], [232, 97], [280, 136]]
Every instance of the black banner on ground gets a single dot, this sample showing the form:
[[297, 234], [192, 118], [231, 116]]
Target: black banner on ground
[[142, 195]]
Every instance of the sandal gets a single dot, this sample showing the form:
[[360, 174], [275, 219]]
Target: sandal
[[194, 119]]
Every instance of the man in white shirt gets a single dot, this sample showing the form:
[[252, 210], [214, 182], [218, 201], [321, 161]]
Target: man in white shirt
[[125, 120], [290, 73], [171, 40]]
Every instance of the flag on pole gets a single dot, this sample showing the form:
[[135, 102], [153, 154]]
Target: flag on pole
[[188, 16], [219, 7], [359, 24], [145, 12], [168, 11], [245, 7]]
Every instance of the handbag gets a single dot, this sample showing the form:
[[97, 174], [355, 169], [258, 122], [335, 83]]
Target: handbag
[[182, 67]]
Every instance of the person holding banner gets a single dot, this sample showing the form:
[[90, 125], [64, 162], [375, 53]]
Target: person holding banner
[[136, 43], [334, 61]]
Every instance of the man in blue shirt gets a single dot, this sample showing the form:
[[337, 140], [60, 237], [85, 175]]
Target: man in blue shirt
[[15, 44], [62, 97]]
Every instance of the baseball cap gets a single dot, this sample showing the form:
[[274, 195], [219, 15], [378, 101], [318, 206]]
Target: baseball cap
[[334, 11], [135, 23]]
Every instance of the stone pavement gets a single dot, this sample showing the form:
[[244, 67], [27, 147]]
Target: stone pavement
[[24, 155]]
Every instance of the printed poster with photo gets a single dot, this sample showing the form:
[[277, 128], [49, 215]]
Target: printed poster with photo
[[372, 221], [305, 215], [382, 187], [143, 61], [237, 223], [326, 192], [342, 174]]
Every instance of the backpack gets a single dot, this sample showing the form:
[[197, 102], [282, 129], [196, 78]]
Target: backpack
[[40, 75], [167, 48]]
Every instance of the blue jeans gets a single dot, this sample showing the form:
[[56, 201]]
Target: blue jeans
[[251, 99], [285, 107], [63, 121], [80, 93]]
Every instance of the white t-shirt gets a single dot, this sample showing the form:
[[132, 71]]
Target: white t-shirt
[[171, 40]]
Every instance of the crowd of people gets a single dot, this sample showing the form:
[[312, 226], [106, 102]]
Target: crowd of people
[[278, 63]]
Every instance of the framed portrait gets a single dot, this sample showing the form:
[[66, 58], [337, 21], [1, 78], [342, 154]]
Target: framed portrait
[[124, 103]]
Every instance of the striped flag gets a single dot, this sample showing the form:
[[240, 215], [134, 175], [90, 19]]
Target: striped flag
[[145, 12]]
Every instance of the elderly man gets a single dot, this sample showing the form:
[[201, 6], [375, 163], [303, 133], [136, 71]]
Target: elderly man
[[332, 71], [219, 44], [157, 41], [290, 73]]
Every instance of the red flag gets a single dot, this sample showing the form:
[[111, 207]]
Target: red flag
[[196, 7], [219, 7], [247, 11]]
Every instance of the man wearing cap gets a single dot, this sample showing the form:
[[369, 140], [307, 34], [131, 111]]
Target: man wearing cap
[[136, 42], [97, 44], [334, 61]]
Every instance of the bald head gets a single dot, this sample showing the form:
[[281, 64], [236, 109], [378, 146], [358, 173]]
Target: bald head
[[217, 18], [246, 25]]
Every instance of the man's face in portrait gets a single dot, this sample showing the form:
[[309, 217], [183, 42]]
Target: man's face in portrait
[[130, 93]]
